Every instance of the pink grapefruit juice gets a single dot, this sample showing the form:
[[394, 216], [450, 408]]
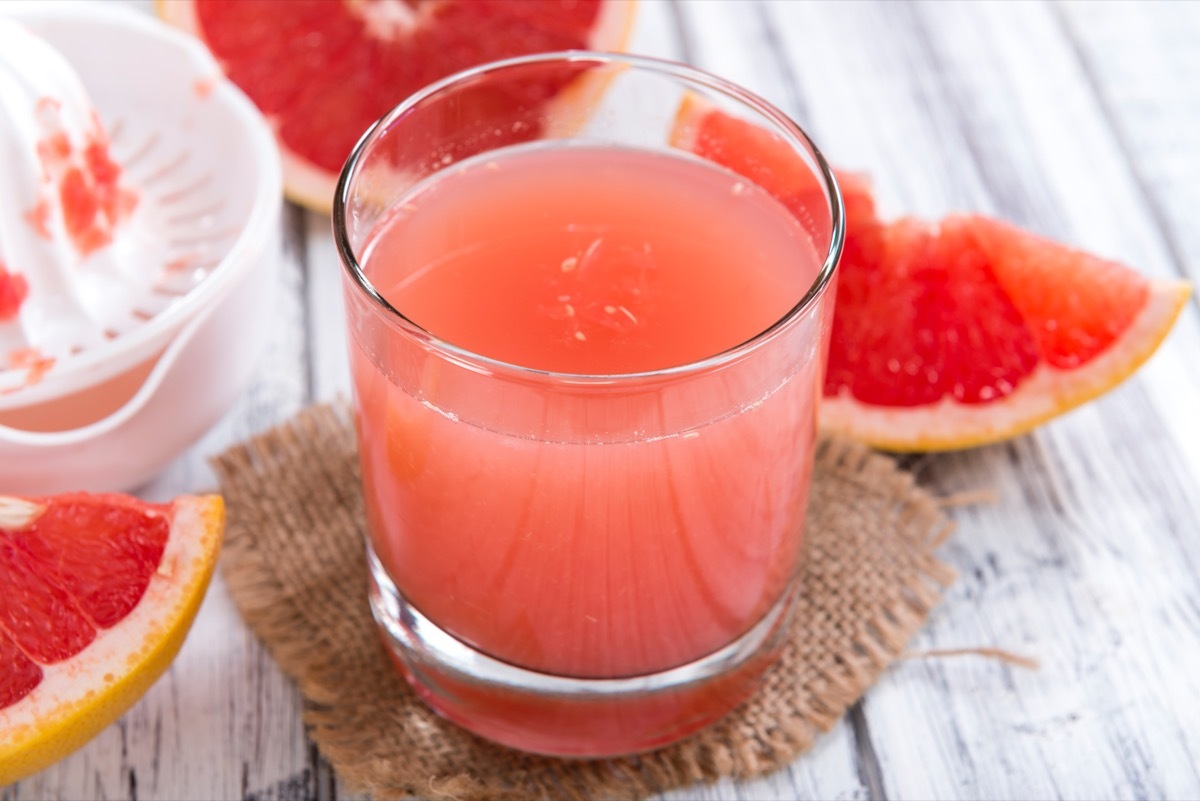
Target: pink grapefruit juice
[[562, 487]]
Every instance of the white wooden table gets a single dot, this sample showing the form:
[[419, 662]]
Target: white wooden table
[[1081, 121]]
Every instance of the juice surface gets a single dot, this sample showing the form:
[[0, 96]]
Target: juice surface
[[592, 260], [612, 531]]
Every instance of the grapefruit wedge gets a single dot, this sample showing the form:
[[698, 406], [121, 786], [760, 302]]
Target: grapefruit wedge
[[955, 333], [98, 594], [324, 70]]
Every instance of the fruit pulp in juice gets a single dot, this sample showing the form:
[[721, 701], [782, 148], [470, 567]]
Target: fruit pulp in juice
[[583, 527]]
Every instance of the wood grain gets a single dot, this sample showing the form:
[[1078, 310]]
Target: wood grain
[[1078, 120]]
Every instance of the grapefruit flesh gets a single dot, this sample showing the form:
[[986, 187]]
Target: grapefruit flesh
[[99, 592], [902, 339], [323, 71], [954, 333]]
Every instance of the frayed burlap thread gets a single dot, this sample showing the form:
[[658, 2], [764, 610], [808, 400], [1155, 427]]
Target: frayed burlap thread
[[295, 566]]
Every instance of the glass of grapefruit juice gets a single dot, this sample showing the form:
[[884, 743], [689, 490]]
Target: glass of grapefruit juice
[[586, 364]]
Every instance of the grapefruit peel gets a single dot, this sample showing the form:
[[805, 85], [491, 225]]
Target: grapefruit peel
[[312, 186], [82, 695], [1046, 392]]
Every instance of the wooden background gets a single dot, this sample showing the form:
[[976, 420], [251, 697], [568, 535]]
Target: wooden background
[[1080, 121]]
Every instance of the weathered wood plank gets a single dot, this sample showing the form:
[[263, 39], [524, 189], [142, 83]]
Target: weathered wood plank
[[325, 314], [1139, 59]]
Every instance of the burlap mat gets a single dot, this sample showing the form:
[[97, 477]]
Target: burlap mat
[[295, 565]]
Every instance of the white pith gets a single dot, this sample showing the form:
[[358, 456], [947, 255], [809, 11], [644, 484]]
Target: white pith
[[17, 513]]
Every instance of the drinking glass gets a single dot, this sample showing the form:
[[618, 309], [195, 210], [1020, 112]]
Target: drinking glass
[[577, 561]]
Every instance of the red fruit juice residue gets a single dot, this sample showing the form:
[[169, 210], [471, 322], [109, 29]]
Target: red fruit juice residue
[[13, 291], [32, 360], [203, 87], [39, 218], [86, 180], [182, 264]]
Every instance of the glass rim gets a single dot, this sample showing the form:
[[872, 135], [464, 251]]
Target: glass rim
[[672, 69]]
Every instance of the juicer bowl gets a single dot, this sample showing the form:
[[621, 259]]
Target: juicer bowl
[[204, 161]]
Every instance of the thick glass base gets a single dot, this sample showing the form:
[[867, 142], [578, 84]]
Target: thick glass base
[[564, 716]]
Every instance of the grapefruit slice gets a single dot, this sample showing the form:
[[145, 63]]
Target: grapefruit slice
[[955, 333], [324, 71], [98, 594]]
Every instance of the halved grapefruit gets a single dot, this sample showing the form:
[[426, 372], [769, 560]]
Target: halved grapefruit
[[98, 594], [955, 333], [323, 70]]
